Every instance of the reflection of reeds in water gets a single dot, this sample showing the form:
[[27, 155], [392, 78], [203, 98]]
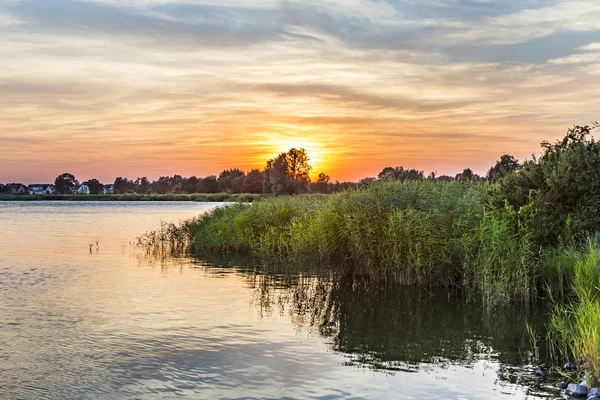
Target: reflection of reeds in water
[[389, 327], [382, 325]]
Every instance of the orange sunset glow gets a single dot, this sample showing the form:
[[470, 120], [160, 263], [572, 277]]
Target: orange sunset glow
[[134, 88]]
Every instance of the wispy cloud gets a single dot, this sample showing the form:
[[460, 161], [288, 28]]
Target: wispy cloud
[[194, 86], [8, 19]]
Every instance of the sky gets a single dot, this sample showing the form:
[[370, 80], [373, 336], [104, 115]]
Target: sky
[[106, 88]]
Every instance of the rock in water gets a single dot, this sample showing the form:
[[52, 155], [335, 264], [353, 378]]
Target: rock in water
[[576, 390]]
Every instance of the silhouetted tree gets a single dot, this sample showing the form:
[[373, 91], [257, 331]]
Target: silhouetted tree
[[322, 185], [467, 175], [323, 178], [95, 186], [277, 174], [288, 173], [297, 164], [166, 184], [209, 184], [190, 185], [66, 183], [142, 185], [401, 174], [231, 180], [123, 185], [253, 182], [503, 167]]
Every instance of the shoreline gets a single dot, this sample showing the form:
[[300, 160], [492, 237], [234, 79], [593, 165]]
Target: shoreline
[[197, 197]]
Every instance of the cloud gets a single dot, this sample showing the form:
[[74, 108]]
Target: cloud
[[8, 19], [529, 24], [588, 54], [194, 86], [591, 47]]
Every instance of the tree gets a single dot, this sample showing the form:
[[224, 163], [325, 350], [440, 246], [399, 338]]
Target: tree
[[288, 173], [401, 174], [503, 167], [253, 182], [297, 164], [467, 175], [209, 184], [562, 187], [388, 173], [123, 185], [190, 185], [231, 180], [95, 186], [66, 184], [323, 178], [322, 184], [279, 180], [166, 184], [142, 185]]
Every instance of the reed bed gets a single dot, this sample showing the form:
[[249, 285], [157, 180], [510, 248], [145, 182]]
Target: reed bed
[[424, 233], [574, 330]]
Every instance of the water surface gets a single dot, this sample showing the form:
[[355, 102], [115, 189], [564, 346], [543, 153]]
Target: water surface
[[85, 314]]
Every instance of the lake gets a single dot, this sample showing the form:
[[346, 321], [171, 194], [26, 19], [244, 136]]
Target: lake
[[86, 314]]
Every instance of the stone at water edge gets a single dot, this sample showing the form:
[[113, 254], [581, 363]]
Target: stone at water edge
[[561, 385], [570, 366], [576, 390], [539, 372], [594, 392], [593, 398]]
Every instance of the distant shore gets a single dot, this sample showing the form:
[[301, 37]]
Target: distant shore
[[199, 197]]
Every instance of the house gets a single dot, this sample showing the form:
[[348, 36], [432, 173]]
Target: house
[[16, 188], [40, 188], [109, 189], [83, 189]]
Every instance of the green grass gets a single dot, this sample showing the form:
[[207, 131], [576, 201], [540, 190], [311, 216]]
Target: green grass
[[420, 234], [574, 330], [199, 197]]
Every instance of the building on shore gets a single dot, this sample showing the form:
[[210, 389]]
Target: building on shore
[[16, 188], [109, 189], [83, 189], [40, 188]]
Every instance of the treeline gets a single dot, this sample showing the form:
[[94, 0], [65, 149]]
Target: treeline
[[232, 181], [288, 173]]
